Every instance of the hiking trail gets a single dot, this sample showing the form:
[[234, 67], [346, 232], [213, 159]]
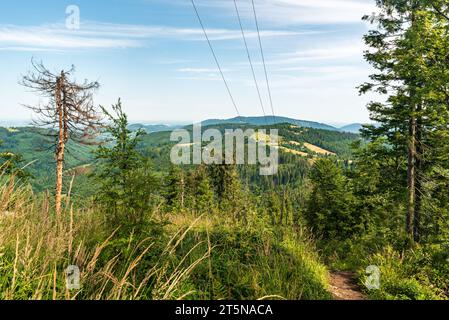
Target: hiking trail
[[343, 286]]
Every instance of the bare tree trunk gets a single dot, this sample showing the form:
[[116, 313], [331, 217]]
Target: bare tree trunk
[[411, 174], [70, 109], [182, 191], [419, 173], [61, 145], [283, 209]]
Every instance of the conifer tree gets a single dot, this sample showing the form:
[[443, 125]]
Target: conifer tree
[[126, 181], [409, 50], [175, 193], [203, 192], [329, 210], [228, 188]]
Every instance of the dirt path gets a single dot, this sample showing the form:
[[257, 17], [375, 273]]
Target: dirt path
[[343, 286]]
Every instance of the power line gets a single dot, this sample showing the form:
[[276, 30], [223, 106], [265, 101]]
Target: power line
[[263, 60], [215, 57], [250, 60]]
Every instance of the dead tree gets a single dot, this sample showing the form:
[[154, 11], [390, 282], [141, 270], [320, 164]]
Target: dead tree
[[69, 112]]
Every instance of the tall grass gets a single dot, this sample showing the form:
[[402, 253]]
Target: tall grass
[[409, 275], [36, 248], [205, 257], [251, 261]]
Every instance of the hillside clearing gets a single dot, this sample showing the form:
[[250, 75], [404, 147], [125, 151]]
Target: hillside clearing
[[318, 150]]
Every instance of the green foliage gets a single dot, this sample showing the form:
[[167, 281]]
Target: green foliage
[[400, 278], [379, 200], [406, 154], [201, 197], [410, 52], [330, 208], [11, 164], [334, 141], [196, 258], [228, 190], [34, 146], [248, 262], [125, 181], [175, 189]]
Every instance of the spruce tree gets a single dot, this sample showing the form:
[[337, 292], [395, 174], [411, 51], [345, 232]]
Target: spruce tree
[[203, 194], [175, 191], [125, 180], [409, 51], [330, 207]]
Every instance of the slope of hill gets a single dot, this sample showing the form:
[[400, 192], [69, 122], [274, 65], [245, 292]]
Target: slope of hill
[[36, 148], [269, 120], [294, 139], [35, 145]]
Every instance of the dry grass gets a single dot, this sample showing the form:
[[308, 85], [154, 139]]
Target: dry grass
[[203, 258], [296, 152], [318, 149], [36, 249]]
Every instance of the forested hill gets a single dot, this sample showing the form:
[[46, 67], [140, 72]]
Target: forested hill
[[253, 121], [34, 144], [299, 146], [353, 128], [291, 136], [150, 128], [269, 120]]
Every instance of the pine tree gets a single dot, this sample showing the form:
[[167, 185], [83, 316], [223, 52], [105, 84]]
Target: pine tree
[[204, 194], [329, 210], [409, 50], [228, 189], [175, 193], [274, 207], [126, 181]]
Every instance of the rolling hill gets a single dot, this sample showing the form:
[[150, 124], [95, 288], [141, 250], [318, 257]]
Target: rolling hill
[[353, 128], [36, 147], [305, 140], [269, 120], [150, 128]]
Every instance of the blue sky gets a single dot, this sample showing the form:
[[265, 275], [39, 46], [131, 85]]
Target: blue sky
[[153, 55]]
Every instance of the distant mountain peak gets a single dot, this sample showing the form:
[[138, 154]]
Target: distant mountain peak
[[352, 128]]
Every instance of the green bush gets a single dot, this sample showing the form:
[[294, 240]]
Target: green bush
[[247, 263], [400, 277]]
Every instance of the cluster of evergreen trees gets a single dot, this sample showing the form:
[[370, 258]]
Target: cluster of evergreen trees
[[410, 50], [399, 180]]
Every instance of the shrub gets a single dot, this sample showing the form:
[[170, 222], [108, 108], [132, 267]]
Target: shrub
[[247, 262], [398, 278]]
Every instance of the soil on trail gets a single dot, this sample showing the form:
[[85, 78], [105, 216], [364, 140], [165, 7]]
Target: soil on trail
[[343, 286]]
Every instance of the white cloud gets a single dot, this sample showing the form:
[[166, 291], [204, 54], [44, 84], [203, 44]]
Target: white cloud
[[289, 12], [53, 37], [337, 51], [102, 36]]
